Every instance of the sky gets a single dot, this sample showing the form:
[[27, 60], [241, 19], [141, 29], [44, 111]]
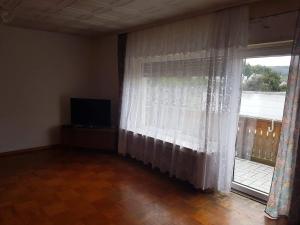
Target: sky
[[270, 61]]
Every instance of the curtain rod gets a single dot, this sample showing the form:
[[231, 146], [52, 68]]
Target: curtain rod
[[276, 14], [194, 14], [187, 15], [287, 43], [142, 27]]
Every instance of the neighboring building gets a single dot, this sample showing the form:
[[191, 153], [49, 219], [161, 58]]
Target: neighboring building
[[266, 105]]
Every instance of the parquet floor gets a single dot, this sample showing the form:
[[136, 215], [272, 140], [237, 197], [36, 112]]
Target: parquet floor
[[56, 187]]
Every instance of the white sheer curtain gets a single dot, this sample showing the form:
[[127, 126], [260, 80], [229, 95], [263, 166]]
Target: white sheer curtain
[[181, 96]]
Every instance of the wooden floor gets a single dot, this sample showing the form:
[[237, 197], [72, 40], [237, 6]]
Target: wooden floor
[[56, 187]]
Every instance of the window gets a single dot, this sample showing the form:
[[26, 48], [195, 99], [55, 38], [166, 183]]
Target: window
[[179, 90]]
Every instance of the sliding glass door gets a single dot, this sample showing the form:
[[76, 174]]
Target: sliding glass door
[[262, 102]]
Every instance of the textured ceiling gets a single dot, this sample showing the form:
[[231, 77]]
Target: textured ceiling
[[91, 17]]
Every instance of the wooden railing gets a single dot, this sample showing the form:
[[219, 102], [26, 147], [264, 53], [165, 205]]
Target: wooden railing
[[257, 140]]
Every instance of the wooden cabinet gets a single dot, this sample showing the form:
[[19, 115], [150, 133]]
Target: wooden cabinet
[[93, 138]]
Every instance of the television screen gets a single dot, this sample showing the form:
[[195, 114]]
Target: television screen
[[90, 112]]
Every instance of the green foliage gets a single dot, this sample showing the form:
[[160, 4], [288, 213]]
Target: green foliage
[[262, 78], [257, 69]]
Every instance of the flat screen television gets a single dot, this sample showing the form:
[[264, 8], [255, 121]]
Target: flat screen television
[[90, 112]]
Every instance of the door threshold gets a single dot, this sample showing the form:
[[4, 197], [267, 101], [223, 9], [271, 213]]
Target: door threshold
[[249, 192]]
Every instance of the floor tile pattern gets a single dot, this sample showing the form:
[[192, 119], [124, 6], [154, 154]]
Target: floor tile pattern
[[253, 174]]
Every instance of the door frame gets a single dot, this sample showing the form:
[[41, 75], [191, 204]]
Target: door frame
[[281, 48]]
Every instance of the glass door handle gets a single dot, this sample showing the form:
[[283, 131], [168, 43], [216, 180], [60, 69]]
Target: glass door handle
[[271, 129]]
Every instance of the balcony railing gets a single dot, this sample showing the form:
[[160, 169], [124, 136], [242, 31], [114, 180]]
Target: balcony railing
[[258, 139]]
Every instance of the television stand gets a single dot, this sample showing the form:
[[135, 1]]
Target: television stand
[[91, 138]]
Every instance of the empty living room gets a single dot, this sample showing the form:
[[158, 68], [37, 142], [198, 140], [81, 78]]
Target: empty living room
[[162, 112]]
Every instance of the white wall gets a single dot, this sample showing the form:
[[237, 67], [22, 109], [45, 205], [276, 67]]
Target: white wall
[[273, 29], [39, 71], [105, 72]]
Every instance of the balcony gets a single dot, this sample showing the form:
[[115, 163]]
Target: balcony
[[256, 151]]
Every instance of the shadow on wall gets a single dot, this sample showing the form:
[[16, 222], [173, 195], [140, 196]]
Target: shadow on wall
[[65, 116], [54, 134]]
